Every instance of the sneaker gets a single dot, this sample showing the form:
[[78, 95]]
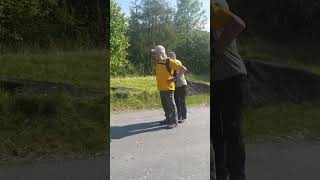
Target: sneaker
[[164, 122], [173, 125]]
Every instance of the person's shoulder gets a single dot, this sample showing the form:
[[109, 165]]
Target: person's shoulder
[[178, 61]]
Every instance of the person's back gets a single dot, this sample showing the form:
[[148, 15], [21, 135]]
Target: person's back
[[227, 90], [229, 62]]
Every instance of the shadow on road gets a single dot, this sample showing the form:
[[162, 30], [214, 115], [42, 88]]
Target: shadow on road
[[119, 132]]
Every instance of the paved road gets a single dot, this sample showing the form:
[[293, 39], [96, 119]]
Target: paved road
[[94, 169], [141, 150]]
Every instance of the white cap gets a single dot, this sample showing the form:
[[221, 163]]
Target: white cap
[[160, 49]]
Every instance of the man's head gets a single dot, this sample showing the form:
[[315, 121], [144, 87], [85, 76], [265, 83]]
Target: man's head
[[159, 52], [172, 55], [221, 3]]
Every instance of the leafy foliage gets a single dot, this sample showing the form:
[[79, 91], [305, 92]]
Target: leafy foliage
[[53, 24], [119, 64], [154, 22]]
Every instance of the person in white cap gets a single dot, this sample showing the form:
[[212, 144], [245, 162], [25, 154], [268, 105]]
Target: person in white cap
[[180, 93], [165, 68]]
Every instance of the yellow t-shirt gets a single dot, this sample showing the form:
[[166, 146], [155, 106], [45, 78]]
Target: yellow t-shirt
[[162, 74]]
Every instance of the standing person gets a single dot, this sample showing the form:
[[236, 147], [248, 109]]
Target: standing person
[[228, 88], [165, 83], [180, 93]]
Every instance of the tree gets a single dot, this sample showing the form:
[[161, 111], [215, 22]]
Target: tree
[[150, 24], [192, 42], [119, 64], [189, 16]]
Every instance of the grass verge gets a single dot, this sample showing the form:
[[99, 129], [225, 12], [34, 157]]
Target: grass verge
[[292, 121], [51, 127], [146, 95], [86, 69]]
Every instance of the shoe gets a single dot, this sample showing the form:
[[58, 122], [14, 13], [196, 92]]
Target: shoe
[[170, 126], [164, 122]]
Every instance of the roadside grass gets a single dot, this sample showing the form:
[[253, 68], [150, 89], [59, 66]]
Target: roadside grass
[[51, 127], [283, 122], [81, 68], [145, 96], [147, 83], [59, 126], [204, 78]]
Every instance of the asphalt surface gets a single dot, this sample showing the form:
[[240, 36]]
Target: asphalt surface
[[143, 150], [93, 169]]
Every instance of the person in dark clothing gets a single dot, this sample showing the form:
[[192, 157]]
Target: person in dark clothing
[[228, 89]]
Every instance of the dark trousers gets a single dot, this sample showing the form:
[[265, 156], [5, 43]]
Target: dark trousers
[[180, 98], [227, 97], [169, 106]]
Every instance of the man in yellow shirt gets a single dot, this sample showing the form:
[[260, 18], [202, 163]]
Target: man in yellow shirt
[[228, 88], [165, 83]]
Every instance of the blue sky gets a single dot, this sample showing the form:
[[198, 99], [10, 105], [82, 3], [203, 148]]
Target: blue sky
[[125, 6]]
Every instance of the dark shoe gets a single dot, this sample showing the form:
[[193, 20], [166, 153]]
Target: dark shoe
[[173, 125], [164, 122]]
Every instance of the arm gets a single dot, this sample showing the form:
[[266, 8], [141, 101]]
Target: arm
[[231, 29], [181, 71]]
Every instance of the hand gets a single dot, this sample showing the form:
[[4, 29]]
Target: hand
[[170, 80]]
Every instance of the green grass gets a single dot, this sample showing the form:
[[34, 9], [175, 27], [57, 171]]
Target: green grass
[[51, 127], [41, 127], [86, 69], [204, 78], [285, 121], [147, 96], [147, 83]]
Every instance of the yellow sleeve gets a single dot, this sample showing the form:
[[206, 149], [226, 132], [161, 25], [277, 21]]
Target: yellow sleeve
[[220, 17], [174, 65]]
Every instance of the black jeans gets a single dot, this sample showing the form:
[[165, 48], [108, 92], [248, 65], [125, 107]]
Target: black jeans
[[180, 98], [227, 127]]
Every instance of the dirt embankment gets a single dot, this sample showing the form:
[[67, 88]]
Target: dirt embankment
[[43, 88], [272, 84]]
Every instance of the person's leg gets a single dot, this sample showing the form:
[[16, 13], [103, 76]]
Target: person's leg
[[212, 164], [164, 106], [217, 136], [177, 98], [233, 128], [183, 106], [172, 109]]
